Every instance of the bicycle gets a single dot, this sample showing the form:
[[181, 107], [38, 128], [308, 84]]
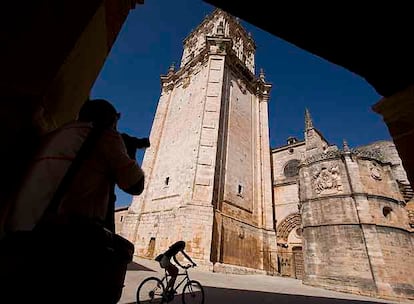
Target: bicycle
[[152, 289]]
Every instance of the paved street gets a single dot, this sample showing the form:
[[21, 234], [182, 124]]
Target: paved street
[[243, 289]]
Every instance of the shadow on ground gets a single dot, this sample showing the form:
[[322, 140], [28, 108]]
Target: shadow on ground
[[138, 267], [224, 295]]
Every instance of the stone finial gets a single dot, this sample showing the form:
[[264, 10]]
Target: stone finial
[[262, 75], [237, 19], [171, 69], [220, 29], [345, 146], [308, 120]]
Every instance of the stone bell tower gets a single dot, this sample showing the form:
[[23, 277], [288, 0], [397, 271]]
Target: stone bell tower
[[208, 174]]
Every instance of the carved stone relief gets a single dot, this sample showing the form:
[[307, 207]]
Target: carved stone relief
[[375, 171], [242, 86], [327, 180], [186, 82]]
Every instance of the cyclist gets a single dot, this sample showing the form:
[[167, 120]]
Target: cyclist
[[165, 262]]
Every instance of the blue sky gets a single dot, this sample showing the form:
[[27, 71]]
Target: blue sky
[[151, 38]]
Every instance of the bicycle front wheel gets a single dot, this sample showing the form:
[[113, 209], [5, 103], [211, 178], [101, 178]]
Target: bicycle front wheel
[[151, 290], [193, 293]]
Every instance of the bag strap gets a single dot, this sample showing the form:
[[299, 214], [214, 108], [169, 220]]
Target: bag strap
[[83, 152]]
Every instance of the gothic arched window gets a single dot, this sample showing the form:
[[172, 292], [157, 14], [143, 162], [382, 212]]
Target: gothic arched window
[[291, 168]]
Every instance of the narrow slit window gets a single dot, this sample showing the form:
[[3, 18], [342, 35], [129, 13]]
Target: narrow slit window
[[240, 190], [167, 180]]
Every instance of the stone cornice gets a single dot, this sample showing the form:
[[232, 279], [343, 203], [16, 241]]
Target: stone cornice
[[369, 154], [169, 80], [372, 154], [329, 155], [216, 45], [263, 90], [254, 83], [353, 195]]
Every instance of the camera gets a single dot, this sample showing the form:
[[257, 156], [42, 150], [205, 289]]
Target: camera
[[133, 143]]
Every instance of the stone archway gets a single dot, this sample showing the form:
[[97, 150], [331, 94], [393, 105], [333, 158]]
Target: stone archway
[[289, 240], [287, 225]]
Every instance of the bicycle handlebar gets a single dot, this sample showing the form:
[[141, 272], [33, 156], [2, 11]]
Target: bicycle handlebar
[[190, 265]]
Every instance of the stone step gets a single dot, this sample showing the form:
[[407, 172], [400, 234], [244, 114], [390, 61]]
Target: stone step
[[406, 190]]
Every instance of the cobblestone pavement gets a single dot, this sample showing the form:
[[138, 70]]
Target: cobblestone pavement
[[243, 289]]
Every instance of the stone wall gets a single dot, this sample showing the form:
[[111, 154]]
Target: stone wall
[[192, 224], [336, 258], [177, 201], [397, 248], [378, 179], [356, 230], [333, 239], [286, 201], [244, 202], [285, 189], [241, 141], [286, 204], [390, 154], [282, 155], [241, 244], [120, 215]]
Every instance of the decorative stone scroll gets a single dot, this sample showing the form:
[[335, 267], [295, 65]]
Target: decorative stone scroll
[[327, 180], [368, 153], [332, 154]]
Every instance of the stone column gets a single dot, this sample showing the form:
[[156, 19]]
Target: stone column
[[269, 235], [398, 113], [267, 208]]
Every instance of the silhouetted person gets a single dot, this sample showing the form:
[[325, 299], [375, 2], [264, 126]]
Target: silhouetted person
[[165, 262], [83, 207]]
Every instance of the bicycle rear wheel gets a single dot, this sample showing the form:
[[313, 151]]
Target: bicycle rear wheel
[[193, 293], [151, 290]]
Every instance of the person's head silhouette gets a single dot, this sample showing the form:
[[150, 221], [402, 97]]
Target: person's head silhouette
[[100, 112]]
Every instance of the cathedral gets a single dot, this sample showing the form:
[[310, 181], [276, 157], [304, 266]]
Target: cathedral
[[334, 217]]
